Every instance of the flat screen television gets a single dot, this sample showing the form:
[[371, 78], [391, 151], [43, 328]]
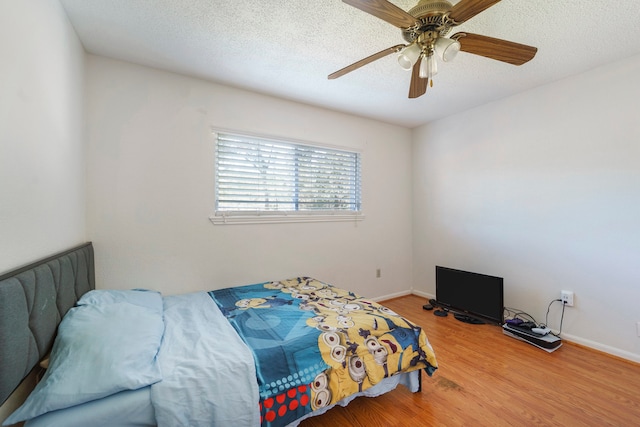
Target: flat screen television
[[473, 297]]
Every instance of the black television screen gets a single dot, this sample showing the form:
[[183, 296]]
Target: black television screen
[[475, 295]]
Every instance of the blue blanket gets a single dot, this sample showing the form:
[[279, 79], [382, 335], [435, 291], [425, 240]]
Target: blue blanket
[[315, 344], [275, 328]]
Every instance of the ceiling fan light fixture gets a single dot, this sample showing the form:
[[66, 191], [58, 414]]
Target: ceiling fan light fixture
[[447, 48], [409, 55], [428, 67], [425, 28]]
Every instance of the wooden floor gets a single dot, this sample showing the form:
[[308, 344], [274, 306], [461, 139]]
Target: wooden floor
[[488, 379]]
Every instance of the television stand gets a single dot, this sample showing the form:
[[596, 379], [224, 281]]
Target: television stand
[[441, 313], [468, 319]]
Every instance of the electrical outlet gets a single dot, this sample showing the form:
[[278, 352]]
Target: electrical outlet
[[378, 273], [567, 298], [638, 328]]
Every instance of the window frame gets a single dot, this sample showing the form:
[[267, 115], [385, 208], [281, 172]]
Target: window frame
[[225, 217]]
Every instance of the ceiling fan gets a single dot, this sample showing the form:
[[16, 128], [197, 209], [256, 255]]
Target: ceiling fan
[[425, 28]]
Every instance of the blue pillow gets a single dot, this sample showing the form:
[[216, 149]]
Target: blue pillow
[[139, 297], [106, 344]]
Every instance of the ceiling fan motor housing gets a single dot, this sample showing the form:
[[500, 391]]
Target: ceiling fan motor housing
[[432, 16]]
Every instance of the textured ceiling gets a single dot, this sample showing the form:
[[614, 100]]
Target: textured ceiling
[[287, 48]]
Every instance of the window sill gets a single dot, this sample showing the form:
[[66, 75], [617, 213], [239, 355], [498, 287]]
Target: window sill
[[231, 219]]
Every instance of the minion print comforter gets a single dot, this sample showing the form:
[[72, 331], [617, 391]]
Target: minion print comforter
[[315, 344]]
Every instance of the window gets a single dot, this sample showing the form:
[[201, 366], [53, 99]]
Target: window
[[275, 181]]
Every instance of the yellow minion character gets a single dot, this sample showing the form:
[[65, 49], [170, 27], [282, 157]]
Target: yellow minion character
[[274, 285], [248, 303], [347, 373]]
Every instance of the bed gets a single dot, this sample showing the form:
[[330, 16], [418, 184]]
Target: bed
[[268, 354]]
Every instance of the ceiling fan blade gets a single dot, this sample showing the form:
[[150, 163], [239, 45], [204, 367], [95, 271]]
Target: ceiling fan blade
[[384, 10], [498, 49], [365, 61], [467, 9], [418, 85]]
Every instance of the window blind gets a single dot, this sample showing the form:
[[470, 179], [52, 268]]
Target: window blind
[[262, 175]]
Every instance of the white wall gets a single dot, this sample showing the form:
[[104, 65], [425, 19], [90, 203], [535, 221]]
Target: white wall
[[150, 178], [42, 183], [542, 188], [41, 132]]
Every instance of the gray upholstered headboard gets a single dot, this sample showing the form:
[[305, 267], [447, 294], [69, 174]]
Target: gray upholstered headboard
[[33, 300]]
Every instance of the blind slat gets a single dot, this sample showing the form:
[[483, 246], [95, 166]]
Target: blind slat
[[254, 174]]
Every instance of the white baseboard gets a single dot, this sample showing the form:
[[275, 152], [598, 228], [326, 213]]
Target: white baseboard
[[402, 294], [391, 296], [602, 347], [422, 294]]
